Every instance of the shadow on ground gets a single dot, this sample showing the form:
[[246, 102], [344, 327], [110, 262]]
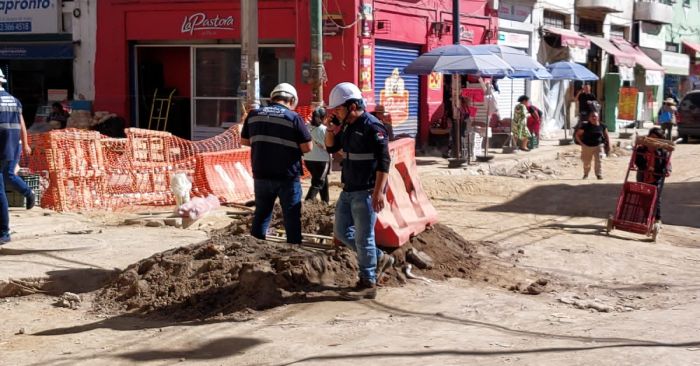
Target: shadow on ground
[[680, 202], [590, 343]]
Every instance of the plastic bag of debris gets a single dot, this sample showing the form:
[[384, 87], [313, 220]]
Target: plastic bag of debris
[[197, 207]]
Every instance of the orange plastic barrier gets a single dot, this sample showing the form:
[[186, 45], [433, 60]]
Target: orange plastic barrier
[[225, 174], [409, 211]]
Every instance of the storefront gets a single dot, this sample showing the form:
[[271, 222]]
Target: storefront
[[648, 76], [193, 52], [692, 49], [676, 68], [515, 30], [35, 55]]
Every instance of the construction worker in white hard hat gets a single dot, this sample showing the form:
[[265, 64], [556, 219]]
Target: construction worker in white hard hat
[[278, 138], [364, 140], [12, 131]]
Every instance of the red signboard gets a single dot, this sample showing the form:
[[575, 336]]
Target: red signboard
[[158, 25]]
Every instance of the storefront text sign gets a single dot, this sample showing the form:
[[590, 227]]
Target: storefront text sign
[[627, 104], [198, 22], [512, 39], [29, 16]]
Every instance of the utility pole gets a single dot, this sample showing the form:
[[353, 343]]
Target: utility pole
[[316, 54], [250, 70], [456, 83]]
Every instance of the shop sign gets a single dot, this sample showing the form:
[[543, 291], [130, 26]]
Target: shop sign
[[435, 81], [394, 97], [626, 73], [578, 54], [466, 34], [517, 13], [627, 104], [675, 63], [199, 22], [512, 39], [652, 36], [366, 68], [29, 16], [654, 77]]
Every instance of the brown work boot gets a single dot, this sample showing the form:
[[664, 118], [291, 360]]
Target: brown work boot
[[365, 289]]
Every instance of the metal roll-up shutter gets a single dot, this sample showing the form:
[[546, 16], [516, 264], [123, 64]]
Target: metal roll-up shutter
[[398, 92], [511, 90]]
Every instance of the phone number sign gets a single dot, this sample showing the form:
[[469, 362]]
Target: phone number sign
[[29, 16], [12, 27]]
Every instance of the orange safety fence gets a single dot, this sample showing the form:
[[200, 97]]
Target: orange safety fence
[[83, 170]]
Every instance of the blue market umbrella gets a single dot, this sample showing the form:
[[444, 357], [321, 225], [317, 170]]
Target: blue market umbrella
[[524, 66], [566, 70], [459, 59]]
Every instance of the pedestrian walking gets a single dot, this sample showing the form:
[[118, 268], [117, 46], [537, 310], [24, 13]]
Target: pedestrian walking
[[667, 117], [653, 171], [518, 127], [278, 137], [594, 140], [12, 132], [534, 121], [587, 102], [318, 160], [364, 142]]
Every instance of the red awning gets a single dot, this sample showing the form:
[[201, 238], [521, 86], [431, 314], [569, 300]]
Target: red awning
[[621, 58], [639, 56], [569, 37], [694, 47]]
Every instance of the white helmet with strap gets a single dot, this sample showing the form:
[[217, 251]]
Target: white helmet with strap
[[342, 93]]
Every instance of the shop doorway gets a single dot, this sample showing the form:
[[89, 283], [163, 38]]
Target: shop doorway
[[206, 81], [30, 80], [163, 70]]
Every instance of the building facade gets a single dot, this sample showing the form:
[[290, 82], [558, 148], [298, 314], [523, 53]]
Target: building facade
[[145, 48], [42, 43]]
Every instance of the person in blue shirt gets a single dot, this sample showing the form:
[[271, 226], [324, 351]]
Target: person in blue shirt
[[278, 137], [364, 141], [12, 131], [667, 117]]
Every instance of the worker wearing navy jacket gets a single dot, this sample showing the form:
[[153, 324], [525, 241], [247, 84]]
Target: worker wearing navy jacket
[[364, 141], [278, 137]]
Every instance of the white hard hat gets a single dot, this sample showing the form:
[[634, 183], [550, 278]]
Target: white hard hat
[[284, 89], [2, 77], [343, 92]]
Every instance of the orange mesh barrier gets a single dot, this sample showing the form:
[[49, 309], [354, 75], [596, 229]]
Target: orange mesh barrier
[[83, 170]]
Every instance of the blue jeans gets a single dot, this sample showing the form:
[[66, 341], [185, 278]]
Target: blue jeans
[[354, 227], [289, 193], [12, 181], [4, 213]]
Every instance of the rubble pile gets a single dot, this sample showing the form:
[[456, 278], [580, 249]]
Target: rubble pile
[[233, 273]]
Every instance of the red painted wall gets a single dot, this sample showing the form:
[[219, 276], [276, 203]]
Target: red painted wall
[[176, 66], [157, 21]]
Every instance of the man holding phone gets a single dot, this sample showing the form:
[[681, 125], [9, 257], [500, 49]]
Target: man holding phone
[[364, 141]]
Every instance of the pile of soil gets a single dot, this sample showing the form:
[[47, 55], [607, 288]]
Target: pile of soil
[[231, 274]]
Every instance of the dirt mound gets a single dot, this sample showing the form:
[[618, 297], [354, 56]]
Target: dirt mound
[[316, 218], [230, 274]]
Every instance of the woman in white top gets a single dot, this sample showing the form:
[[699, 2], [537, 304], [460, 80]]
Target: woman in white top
[[318, 159]]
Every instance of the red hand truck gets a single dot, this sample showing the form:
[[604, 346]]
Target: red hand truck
[[636, 205]]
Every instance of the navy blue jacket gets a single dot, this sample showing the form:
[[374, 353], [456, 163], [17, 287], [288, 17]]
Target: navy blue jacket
[[365, 143], [275, 134]]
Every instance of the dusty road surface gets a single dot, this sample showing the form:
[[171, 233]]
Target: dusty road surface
[[602, 299]]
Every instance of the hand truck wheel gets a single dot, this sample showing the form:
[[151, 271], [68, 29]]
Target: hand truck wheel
[[609, 227]]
